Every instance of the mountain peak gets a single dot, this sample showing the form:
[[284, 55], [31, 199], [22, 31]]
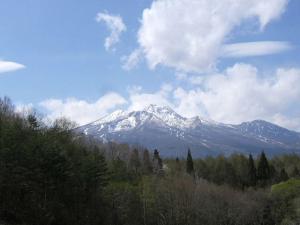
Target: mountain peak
[[262, 124], [167, 115]]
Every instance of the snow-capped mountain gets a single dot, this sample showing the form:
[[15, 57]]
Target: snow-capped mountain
[[164, 129]]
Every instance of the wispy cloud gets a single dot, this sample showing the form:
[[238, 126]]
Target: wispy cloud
[[7, 66], [115, 25], [254, 48], [131, 61]]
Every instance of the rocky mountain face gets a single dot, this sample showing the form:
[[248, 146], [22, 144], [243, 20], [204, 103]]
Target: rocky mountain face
[[164, 129]]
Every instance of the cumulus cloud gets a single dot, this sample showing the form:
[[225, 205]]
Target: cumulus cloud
[[82, 111], [139, 99], [188, 35], [115, 25], [241, 93], [7, 66], [254, 48]]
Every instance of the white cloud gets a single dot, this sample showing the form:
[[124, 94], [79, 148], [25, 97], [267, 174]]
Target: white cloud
[[139, 99], [24, 108], [115, 25], [254, 48], [241, 93], [188, 35], [7, 66], [82, 111], [181, 76], [197, 80], [130, 61]]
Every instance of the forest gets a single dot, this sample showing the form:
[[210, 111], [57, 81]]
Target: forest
[[51, 176]]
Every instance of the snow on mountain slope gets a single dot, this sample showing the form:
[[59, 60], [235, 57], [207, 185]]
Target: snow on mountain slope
[[111, 117], [121, 120], [163, 128], [268, 132]]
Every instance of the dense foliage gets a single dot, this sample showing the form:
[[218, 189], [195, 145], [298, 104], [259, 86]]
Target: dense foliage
[[49, 175]]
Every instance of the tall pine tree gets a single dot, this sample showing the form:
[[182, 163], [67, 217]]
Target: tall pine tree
[[189, 163], [252, 178], [157, 163], [263, 169]]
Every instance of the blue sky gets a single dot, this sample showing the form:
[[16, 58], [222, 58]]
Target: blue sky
[[62, 47], [62, 67]]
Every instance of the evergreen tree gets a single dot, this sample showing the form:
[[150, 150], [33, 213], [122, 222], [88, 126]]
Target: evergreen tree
[[273, 174], [252, 178], [33, 122], [157, 163], [263, 169], [189, 163], [147, 165], [47, 176]]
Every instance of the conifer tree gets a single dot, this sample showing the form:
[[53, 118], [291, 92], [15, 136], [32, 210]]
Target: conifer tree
[[251, 172], [32, 120], [189, 163], [263, 169], [157, 163]]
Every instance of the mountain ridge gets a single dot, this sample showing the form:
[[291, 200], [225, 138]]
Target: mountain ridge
[[163, 128]]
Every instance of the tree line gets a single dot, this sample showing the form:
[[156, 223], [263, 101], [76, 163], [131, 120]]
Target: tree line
[[240, 171], [50, 175]]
